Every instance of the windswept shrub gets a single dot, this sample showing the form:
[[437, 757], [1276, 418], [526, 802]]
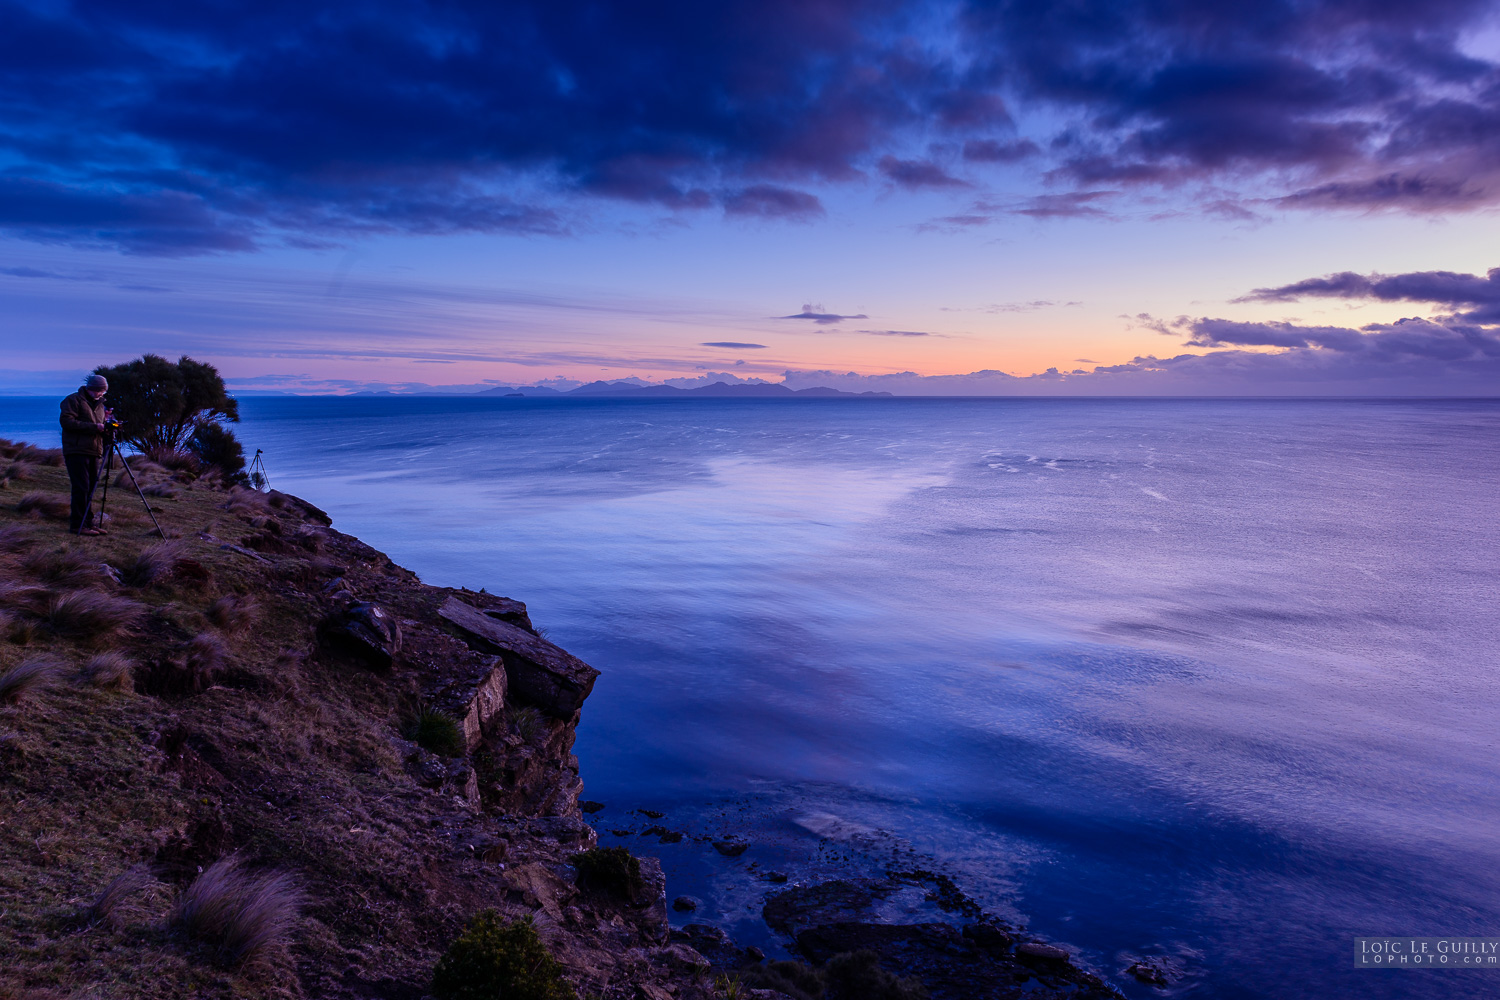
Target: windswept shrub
[[64, 567], [90, 616], [218, 448], [115, 902], [857, 975], [38, 503], [437, 732], [494, 958], [151, 565], [109, 671], [232, 613], [240, 914], [29, 678], [611, 870]]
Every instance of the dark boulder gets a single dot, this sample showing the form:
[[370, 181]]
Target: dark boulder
[[365, 630]]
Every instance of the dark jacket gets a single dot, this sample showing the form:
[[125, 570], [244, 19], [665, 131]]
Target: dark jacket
[[79, 435]]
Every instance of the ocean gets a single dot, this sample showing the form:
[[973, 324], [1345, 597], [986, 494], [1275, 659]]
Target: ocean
[[1206, 680]]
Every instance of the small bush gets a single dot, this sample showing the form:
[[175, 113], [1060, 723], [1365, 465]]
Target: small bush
[[63, 568], [28, 679], [232, 613], [612, 870], [437, 732], [857, 975], [240, 914], [90, 616], [40, 504], [151, 565], [114, 903], [217, 446], [494, 958], [110, 672]]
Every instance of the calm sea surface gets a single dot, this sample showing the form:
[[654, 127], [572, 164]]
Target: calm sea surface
[[1211, 680]]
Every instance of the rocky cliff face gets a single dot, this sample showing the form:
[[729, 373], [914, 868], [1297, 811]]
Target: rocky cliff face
[[294, 700]]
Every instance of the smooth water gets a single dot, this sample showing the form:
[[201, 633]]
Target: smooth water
[[1205, 679]]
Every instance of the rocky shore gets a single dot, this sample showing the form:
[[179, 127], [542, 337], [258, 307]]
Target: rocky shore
[[263, 688]]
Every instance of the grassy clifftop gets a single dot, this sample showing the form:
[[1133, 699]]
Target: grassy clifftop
[[208, 789]]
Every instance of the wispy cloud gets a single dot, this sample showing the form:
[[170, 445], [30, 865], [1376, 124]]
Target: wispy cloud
[[732, 345], [818, 315]]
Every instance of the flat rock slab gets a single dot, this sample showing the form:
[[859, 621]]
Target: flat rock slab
[[539, 673], [467, 685]]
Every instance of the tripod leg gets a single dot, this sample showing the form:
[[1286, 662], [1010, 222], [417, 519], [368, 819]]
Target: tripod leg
[[109, 467], [149, 512]]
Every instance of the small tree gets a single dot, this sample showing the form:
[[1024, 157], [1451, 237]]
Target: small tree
[[159, 403]]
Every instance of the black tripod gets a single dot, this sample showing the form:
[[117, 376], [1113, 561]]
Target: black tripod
[[111, 449], [258, 477]]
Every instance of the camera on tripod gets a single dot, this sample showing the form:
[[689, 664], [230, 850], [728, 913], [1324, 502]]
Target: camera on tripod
[[111, 424]]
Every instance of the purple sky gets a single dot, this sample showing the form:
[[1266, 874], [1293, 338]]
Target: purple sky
[[1102, 196]]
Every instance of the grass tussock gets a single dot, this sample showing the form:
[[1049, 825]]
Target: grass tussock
[[64, 567], [528, 723], [109, 672], [51, 457], [16, 539], [151, 565], [19, 471], [241, 914], [28, 679], [38, 503], [117, 902], [232, 613], [175, 459], [206, 654], [163, 489], [437, 732], [90, 616], [246, 501]]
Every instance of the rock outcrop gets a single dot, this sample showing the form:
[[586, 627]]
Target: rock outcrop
[[539, 673]]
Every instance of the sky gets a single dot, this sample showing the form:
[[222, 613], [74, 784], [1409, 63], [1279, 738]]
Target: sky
[[1027, 197]]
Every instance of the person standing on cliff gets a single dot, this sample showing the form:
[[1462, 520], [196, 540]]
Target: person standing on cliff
[[83, 419]]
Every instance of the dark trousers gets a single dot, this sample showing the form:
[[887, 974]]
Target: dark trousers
[[83, 473]]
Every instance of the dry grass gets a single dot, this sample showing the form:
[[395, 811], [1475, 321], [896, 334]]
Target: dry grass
[[29, 678], [206, 654], [19, 471], [51, 457], [163, 489], [151, 565], [90, 616], [41, 504], [109, 671], [242, 915], [232, 613], [64, 567], [116, 902]]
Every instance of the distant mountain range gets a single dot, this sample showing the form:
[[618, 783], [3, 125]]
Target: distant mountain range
[[755, 389]]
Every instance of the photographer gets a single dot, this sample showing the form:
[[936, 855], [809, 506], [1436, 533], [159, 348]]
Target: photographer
[[84, 419]]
